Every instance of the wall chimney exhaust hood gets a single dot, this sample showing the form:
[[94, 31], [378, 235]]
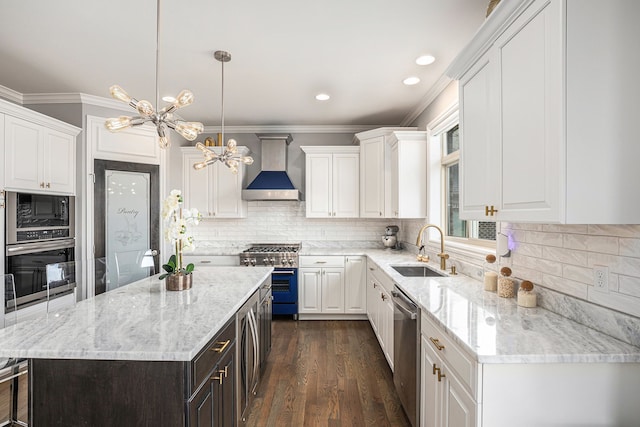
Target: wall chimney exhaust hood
[[272, 183]]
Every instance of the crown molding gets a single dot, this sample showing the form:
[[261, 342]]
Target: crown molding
[[72, 98], [10, 95], [431, 95], [291, 128]]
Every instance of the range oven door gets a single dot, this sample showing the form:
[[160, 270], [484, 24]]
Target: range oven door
[[27, 262], [284, 288]]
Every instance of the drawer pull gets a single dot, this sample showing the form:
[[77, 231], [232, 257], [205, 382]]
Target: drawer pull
[[440, 375], [435, 369], [224, 345], [321, 262], [219, 377], [436, 342]]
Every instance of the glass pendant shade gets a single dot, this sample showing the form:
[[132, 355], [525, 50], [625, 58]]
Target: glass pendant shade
[[118, 93], [145, 108], [119, 123]]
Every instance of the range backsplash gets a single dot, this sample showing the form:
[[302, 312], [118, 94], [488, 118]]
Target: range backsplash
[[285, 221]]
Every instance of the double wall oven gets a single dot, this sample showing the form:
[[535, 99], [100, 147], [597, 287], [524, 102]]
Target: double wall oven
[[284, 279], [40, 230]]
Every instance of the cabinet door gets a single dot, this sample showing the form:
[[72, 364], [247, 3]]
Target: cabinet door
[[226, 398], [227, 192], [479, 146], [196, 184], [59, 162], [24, 145], [346, 185], [372, 178], [373, 296], [201, 407], [386, 325], [430, 392], [309, 290], [355, 286], [319, 185], [332, 290], [458, 408], [529, 62], [409, 175]]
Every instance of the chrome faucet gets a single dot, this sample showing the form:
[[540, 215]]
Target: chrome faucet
[[443, 256]]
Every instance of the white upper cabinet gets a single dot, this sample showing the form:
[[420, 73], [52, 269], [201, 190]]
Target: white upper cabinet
[[39, 152], [544, 113], [408, 174], [215, 191], [393, 173], [332, 181]]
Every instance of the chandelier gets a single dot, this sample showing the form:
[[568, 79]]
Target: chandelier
[[162, 119], [229, 155]]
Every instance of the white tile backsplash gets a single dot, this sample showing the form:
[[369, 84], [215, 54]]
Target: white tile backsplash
[[282, 222]]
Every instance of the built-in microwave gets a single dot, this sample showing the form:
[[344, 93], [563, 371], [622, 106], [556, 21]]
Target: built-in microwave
[[35, 217]]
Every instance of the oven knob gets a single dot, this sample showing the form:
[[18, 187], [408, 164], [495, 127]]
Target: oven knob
[[273, 261], [265, 261], [253, 262], [246, 262]]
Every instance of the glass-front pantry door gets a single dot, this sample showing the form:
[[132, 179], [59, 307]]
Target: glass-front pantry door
[[126, 223]]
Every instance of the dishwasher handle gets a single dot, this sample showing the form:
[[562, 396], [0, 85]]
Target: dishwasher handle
[[400, 304]]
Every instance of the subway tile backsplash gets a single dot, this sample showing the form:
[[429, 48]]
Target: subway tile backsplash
[[558, 259], [285, 221]]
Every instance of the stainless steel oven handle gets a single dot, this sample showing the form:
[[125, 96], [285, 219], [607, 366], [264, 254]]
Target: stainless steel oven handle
[[28, 248], [290, 272]]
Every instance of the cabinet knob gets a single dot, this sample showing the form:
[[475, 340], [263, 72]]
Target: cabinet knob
[[48, 185], [42, 185], [219, 377], [380, 213], [440, 375]]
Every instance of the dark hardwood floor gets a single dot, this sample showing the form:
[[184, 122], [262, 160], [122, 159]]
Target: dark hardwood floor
[[326, 373]]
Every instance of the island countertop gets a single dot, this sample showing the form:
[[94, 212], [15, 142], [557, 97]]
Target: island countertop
[[140, 321]]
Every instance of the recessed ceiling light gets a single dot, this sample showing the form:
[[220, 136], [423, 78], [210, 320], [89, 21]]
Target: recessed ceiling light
[[322, 97], [409, 81], [425, 60]]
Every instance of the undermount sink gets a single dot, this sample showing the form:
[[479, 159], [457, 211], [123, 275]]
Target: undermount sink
[[416, 271]]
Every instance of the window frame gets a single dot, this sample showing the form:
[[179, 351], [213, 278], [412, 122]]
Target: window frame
[[436, 131]]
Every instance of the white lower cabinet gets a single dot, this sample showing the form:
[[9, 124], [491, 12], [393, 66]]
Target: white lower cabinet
[[355, 291], [457, 391], [380, 309], [321, 287]]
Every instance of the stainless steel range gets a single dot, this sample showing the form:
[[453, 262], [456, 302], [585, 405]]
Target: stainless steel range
[[284, 279], [271, 255]]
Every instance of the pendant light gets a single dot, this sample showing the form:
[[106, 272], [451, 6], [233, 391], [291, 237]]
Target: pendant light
[[229, 155], [162, 119]]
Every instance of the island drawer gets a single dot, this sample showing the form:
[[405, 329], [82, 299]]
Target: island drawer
[[458, 360], [207, 359]]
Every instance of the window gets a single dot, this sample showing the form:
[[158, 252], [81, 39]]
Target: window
[[444, 151]]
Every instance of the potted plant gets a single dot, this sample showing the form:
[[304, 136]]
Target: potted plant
[[177, 232]]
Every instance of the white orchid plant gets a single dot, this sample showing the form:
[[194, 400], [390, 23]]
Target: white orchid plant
[[178, 233]]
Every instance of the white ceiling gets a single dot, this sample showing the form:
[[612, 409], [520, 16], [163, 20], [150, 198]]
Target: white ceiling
[[284, 52]]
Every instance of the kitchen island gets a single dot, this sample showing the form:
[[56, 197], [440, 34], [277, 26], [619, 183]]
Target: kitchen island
[[131, 356]]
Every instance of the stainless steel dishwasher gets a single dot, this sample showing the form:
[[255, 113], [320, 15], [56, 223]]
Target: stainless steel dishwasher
[[406, 334]]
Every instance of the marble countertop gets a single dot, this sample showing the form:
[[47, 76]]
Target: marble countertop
[[494, 329], [140, 321]]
